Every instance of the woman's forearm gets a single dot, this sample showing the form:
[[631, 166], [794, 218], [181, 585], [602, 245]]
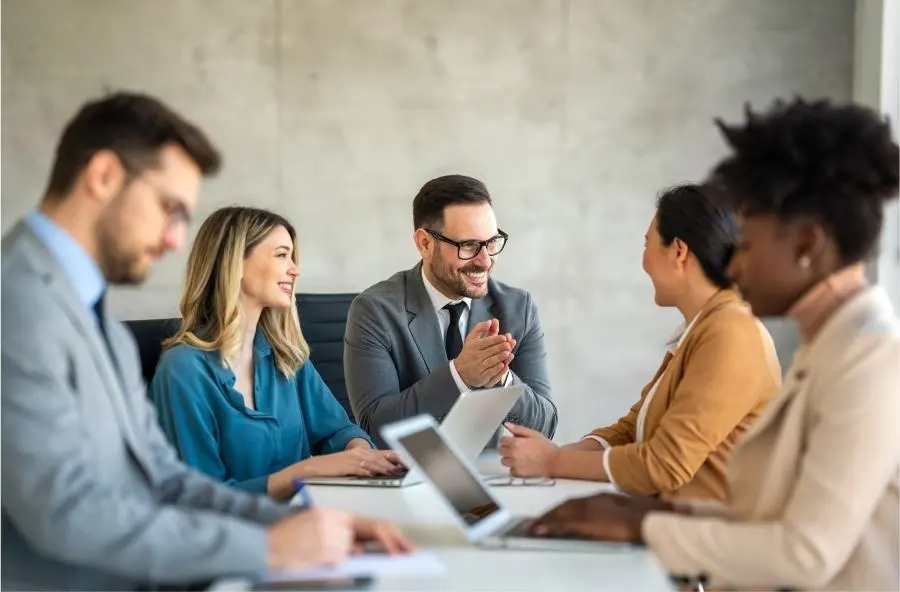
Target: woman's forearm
[[574, 463]]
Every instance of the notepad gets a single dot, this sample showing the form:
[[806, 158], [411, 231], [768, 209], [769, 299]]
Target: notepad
[[367, 565]]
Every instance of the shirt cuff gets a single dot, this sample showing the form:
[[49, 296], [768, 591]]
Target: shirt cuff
[[463, 388], [606, 469], [598, 439]]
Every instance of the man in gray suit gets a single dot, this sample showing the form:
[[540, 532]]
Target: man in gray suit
[[419, 339], [93, 495]]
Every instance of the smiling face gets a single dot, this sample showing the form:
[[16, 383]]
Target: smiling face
[[665, 266], [270, 271], [452, 276]]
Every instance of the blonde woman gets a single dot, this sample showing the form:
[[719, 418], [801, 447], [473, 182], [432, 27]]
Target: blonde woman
[[234, 390]]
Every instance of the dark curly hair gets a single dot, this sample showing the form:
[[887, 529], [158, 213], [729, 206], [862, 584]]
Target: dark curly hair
[[835, 163]]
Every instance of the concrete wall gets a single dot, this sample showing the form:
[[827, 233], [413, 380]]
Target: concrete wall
[[574, 112]]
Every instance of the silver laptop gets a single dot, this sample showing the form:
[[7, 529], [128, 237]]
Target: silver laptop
[[478, 513], [471, 422]]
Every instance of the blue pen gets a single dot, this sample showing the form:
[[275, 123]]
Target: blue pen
[[300, 488]]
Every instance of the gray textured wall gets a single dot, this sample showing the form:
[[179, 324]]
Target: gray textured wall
[[574, 112]]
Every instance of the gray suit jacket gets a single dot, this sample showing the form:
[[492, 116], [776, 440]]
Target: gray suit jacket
[[396, 366], [93, 494]]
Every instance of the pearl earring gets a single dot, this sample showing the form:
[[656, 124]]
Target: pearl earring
[[804, 262]]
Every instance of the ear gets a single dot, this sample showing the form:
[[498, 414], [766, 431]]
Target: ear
[[808, 240], [680, 248], [424, 242], [104, 176]]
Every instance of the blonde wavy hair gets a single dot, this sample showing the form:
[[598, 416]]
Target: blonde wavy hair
[[211, 313]]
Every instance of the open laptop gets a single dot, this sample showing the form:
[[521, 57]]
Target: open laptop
[[471, 422], [478, 513]]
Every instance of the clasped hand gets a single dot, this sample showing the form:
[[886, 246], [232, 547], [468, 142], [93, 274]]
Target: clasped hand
[[486, 355]]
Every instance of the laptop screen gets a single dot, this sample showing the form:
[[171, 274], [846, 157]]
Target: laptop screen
[[464, 491]]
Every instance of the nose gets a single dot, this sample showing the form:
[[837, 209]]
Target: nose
[[482, 258], [293, 270], [173, 239]]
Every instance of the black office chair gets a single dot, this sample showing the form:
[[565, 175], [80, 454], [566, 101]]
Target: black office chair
[[323, 318], [150, 334]]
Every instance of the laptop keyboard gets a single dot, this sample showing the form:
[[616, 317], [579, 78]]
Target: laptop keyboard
[[395, 477], [520, 528]]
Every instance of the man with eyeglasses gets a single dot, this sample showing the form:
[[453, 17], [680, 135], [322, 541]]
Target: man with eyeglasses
[[419, 339], [94, 496]]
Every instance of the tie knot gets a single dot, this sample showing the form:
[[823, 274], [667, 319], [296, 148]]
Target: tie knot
[[455, 310]]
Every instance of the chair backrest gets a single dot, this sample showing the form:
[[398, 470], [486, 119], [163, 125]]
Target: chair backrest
[[323, 319], [150, 334]]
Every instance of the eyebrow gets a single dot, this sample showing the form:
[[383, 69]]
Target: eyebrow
[[285, 247]]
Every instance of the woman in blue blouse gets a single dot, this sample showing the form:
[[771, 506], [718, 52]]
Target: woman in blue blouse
[[235, 391]]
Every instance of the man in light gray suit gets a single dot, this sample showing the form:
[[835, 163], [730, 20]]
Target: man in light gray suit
[[419, 339], [93, 495]]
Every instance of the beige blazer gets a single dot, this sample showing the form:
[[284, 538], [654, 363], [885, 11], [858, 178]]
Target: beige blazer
[[677, 438], [814, 482]]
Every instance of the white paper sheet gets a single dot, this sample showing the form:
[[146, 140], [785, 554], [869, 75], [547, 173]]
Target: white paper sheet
[[372, 565]]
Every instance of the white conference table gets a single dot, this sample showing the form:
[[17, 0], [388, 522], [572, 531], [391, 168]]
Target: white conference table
[[418, 511]]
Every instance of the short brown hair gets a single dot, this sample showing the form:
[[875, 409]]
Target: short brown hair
[[449, 190], [134, 126]]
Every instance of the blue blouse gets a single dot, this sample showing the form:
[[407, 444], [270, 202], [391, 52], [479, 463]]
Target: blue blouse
[[206, 420]]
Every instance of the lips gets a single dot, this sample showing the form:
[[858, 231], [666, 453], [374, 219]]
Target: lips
[[476, 276], [286, 287]]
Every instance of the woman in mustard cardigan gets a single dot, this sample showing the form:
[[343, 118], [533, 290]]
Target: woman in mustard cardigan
[[719, 372]]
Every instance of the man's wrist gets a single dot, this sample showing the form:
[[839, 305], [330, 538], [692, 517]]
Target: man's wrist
[[461, 384]]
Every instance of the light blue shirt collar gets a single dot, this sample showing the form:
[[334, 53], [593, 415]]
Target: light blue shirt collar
[[80, 268]]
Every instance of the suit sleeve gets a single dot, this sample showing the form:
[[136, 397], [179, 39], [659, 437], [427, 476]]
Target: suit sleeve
[[373, 384], [57, 500], [851, 442], [535, 408]]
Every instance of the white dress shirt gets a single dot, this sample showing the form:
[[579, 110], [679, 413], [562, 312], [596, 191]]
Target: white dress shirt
[[439, 301]]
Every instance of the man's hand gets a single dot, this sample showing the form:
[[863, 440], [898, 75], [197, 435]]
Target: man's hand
[[527, 453], [485, 356], [388, 538], [313, 538]]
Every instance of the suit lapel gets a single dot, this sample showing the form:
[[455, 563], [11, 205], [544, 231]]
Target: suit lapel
[[423, 323], [482, 310]]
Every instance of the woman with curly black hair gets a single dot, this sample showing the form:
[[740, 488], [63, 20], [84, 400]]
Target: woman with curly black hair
[[814, 483]]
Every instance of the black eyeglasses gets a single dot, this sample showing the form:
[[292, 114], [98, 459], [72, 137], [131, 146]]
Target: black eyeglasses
[[470, 249]]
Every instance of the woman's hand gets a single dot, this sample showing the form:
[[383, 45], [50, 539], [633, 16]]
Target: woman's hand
[[357, 462], [603, 517], [527, 453]]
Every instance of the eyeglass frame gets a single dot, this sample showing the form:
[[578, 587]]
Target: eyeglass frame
[[176, 214], [481, 244]]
